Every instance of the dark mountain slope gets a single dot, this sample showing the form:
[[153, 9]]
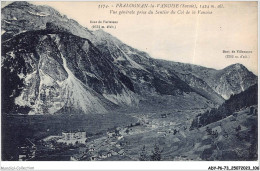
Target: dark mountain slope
[[235, 103], [58, 71]]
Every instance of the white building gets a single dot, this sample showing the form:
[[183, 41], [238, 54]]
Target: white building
[[73, 137]]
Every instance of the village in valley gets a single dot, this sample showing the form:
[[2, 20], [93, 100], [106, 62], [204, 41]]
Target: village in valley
[[155, 134], [73, 92], [76, 145], [96, 147]]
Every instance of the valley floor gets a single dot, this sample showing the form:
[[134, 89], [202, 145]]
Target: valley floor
[[132, 135], [232, 138]]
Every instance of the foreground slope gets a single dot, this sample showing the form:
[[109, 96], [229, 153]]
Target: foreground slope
[[236, 102]]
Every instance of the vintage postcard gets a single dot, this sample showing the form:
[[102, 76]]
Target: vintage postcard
[[129, 81]]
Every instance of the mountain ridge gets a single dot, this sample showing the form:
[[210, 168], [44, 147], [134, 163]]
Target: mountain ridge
[[57, 54]]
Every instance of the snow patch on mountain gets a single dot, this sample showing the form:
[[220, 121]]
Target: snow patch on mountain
[[8, 22], [45, 79], [41, 14], [2, 31], [20, 100], [29, 76], [21, 75]]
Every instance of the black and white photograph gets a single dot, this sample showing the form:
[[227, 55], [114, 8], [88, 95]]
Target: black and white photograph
[[129, 81]]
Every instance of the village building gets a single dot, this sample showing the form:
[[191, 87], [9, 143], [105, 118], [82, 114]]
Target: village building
[[73, 137], [121, 152], [94, 158], [91, 149], [102, 154], [27, 150]]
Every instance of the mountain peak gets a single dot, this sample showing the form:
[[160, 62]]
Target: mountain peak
[[19, 4], [236, 66]]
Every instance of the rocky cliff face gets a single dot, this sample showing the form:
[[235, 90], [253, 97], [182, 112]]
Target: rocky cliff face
[[223, 83], [51, 64], [52, 79], [232, 80], [58, 71]]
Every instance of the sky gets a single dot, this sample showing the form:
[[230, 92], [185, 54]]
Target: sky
[[198, 39]]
